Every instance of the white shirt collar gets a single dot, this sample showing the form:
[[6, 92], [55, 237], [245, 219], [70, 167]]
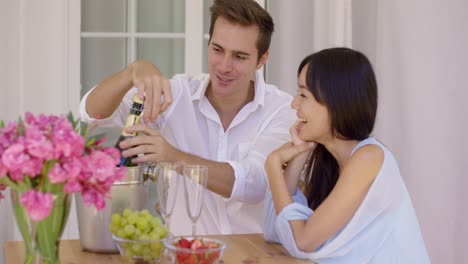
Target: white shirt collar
[[259, 98]]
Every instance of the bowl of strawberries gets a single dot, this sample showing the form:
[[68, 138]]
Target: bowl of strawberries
[[194, 250]]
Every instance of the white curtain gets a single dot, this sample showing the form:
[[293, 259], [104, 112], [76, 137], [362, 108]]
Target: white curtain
[[302, 27], [419, 52], [422, 67]]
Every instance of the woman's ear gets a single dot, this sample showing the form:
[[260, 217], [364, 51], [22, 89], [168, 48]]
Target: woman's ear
[[263, 59]]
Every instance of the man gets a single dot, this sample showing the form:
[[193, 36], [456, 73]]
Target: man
[[228, 120]]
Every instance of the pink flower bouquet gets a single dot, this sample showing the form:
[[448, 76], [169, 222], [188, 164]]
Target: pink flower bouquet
[[43, 157]]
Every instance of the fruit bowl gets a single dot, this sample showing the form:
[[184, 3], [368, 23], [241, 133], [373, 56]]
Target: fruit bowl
[[140, 251], [189, 250], [139, 236]]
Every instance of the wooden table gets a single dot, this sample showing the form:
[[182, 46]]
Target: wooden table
[[243, 249]]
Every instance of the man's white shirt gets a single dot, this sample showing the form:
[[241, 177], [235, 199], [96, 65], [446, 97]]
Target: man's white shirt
[[192, 125]]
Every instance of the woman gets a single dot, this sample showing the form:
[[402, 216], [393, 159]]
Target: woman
[[353, 206]]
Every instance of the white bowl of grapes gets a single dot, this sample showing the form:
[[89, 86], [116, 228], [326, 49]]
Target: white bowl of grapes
[[139, 236]]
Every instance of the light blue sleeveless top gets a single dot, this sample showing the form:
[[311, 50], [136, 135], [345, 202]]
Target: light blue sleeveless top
[[384, 229]]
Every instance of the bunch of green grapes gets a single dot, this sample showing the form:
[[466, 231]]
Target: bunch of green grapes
[[139, 226]]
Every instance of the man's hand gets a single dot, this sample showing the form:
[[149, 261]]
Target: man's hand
[[149, 142], [151, 85]]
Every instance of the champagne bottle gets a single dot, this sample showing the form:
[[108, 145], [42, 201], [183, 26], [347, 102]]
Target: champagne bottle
[[133, 118]]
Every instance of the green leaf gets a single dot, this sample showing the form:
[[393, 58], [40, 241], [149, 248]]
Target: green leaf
[[21, 130], [10, 183], [50, 229], [71, 119], [22, 221], [24, 185], [91, 140], [2, 124], [83, 129]]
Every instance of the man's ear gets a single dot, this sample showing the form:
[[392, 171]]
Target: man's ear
[[263, 59]]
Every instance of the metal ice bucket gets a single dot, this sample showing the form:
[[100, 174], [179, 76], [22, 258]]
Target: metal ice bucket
[[93, 225]]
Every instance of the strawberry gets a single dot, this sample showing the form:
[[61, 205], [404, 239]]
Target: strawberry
[[212, 245], [202, 252], [184, 243], [182, 256], [196, 244], [192, 259]]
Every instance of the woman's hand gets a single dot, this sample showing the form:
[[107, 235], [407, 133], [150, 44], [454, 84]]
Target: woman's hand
[[290, 157], [287, 152], [293, 131], [150, 143], [151, 85]]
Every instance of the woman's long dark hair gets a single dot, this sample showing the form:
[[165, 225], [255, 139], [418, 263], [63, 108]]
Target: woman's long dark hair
[[343, 80]]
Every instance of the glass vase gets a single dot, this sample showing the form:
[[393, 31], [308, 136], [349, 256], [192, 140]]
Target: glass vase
[[41, 238]]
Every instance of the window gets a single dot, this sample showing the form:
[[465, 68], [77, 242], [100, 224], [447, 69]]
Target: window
[[169, 33], [115, 33]]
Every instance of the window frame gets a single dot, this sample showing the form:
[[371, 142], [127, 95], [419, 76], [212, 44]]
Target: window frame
[[193, 36]]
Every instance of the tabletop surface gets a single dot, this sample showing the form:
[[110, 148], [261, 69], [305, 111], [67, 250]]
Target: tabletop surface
[[244, 249]]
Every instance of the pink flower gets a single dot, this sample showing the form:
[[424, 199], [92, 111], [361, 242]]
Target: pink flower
[[72, 167], [14, 157], [91, 196], [67, 141], [3, 169], [27, 148], [18, 163], [37, 145], [102, 165], [37, 204], [57, 174], [32, 167], [72, 187], [16, 175], [8, 135], [114, 153]]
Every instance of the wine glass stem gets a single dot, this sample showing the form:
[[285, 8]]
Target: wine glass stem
[[168, 224], [194, 229]]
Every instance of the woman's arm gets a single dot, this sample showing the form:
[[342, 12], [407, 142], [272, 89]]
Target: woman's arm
[[294, 167], [342, 203], [276, 178]]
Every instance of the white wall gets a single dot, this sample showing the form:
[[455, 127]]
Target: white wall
[[36, 57], [34, 67]]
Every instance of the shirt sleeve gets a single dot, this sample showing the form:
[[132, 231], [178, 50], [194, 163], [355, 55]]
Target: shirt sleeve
[[294, 211], [117, 119], [251, 184], [271, 218]]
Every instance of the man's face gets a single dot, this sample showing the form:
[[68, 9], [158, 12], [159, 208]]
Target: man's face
[[233, 57]]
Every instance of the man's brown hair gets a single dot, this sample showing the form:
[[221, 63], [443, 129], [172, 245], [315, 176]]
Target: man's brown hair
[[246, 13]]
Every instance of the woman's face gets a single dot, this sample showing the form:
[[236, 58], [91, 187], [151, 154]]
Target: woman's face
[[314, 119]]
